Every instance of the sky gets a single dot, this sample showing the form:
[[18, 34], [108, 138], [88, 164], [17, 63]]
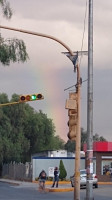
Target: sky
[[50, 72]]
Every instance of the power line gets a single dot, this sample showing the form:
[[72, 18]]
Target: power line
[[83, 30], [75, 85]]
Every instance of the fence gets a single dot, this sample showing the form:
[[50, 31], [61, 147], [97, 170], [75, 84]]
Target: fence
[[17, 171]]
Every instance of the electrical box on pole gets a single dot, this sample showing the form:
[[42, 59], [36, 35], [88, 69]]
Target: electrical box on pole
[[71, 105]]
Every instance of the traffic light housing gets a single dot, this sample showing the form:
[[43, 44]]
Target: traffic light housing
[[71, 105], [31, 97]]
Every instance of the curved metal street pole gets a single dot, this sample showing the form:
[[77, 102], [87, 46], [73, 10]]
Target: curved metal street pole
[[71, 57], [39, 34]]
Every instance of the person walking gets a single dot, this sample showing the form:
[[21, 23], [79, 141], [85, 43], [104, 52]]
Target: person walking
[[56, 177]]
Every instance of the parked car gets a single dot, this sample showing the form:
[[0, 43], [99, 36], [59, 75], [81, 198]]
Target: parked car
[[83, 179]]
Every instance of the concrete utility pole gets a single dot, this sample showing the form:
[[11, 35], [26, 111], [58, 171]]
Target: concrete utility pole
[[89, 153]]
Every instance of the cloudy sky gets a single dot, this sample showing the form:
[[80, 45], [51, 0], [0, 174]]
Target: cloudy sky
[[49, 72]]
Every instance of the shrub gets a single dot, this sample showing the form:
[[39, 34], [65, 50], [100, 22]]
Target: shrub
[[62, 170], [37, 178], [50, 178]]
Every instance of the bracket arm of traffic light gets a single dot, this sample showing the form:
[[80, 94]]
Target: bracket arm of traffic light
[[11, 103]]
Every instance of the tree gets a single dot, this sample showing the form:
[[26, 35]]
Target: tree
[[70, 145], [24, 131], [11, 50], [7, 12], [56, 143], [62, 170], [96, 137]]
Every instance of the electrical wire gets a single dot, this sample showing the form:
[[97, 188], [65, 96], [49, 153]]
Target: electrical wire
[[82, 42], [83, 31]]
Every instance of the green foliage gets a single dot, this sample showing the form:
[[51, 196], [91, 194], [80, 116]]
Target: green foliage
[[70, 145], [11, 50], [7, 11], [37, 178], [84, 136], [96, 137], [56, 143], [50, 179], [63, 172], [24, 131]]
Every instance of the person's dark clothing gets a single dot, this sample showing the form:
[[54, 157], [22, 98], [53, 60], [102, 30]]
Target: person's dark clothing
[[42, 176], [56, 177]]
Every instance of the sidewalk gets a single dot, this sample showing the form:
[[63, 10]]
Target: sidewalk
[[63, 186]]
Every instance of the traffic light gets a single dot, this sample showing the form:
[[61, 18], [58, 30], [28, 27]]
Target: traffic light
[[30, 97], [71, 105]]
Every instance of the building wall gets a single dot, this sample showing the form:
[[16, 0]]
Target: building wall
[[101, 158], [39, 163]]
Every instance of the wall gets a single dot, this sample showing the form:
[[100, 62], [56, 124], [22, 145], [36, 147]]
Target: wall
[[39, 163]]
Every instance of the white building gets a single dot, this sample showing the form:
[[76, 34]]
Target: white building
[[47, 160]]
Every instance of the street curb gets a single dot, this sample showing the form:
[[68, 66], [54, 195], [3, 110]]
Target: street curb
[[12, 183], [105, 183], [50, 182], [68, 182], [60, 189]]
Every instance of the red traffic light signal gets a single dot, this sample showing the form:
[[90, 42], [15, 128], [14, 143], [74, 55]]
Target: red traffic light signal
[[31, 97]]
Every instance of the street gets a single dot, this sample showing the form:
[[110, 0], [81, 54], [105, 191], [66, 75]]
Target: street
[[30, 192]]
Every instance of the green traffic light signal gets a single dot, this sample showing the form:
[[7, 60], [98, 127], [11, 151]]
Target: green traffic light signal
[[33, 97]]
